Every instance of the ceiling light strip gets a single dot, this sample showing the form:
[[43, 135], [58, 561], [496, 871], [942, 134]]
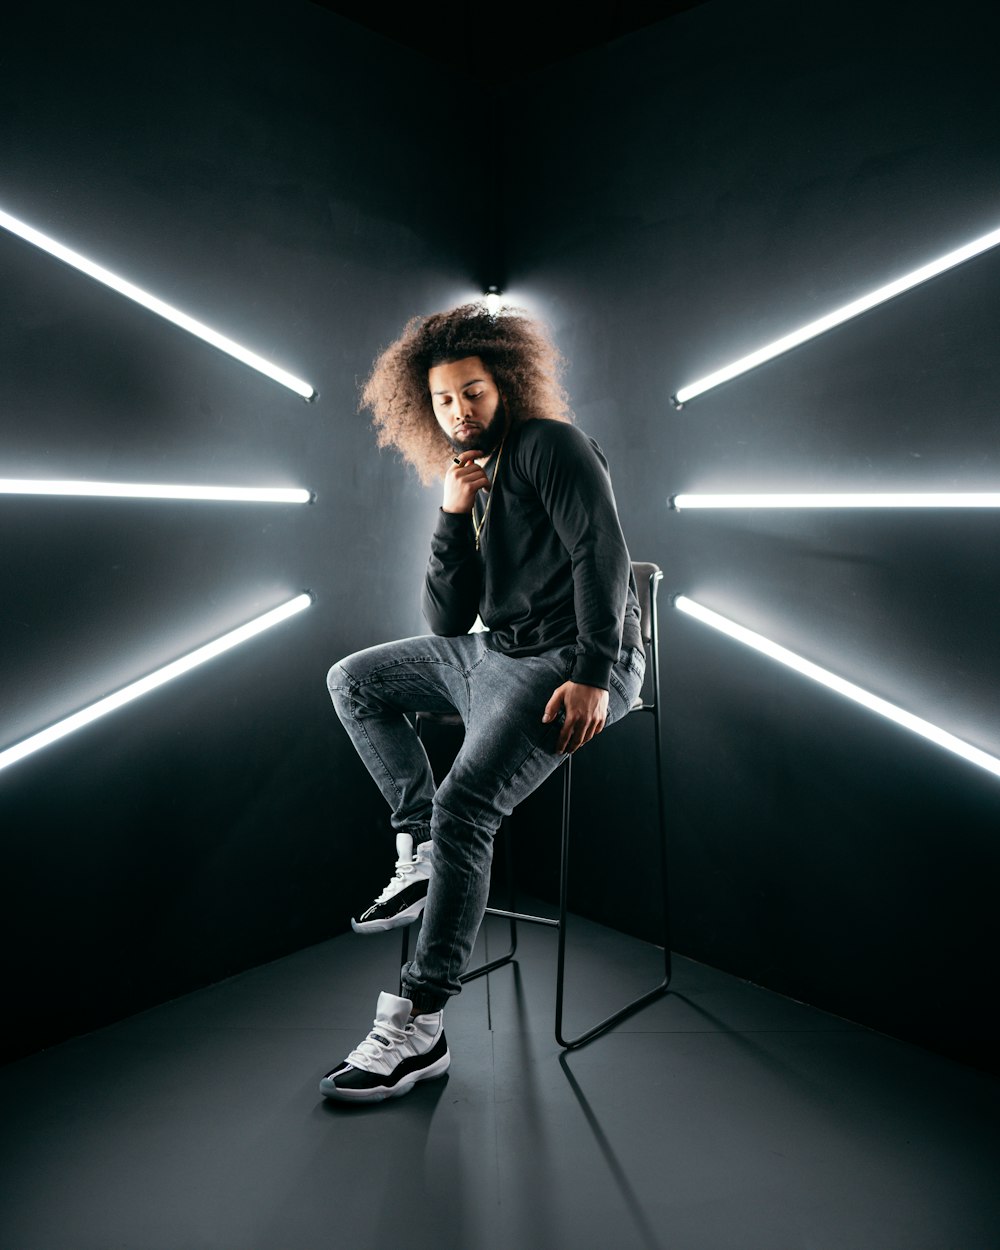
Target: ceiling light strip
[[840, 499], [145, 684], [158, 306], [838, 316], [825, 678], [143, 490]]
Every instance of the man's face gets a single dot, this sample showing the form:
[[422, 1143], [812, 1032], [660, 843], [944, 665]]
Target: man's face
[[467, 405]]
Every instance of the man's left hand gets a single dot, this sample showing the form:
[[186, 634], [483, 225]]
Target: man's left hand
[[586, 709]]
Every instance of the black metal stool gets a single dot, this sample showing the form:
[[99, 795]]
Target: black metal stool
[[647, 577]]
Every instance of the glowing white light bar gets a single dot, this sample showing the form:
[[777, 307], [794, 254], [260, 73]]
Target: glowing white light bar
[[145, 684], [493, 301], [142, 490], [839, 315], [124, 287], [842, 499], [914, 723]]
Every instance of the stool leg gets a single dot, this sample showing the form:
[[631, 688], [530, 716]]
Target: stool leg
[[662, 818], [404, 956], [563, 896], [635, 1004]]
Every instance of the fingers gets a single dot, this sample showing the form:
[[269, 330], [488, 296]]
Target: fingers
[[466, 468], [576, 734], [585, 712], [554, 706], [462, 483], [468, 472]]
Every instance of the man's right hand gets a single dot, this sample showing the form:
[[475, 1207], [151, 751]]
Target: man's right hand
[[463, 481]]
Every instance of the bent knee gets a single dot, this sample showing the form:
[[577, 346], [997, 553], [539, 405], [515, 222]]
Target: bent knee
[[463, 816], [338, 679]]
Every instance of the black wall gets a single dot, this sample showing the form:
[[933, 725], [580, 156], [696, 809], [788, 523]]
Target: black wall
[[672, 200], [676, 200], [254, 164]]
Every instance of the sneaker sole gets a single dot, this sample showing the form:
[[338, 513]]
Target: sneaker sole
[[438, 1068], [393, 922]]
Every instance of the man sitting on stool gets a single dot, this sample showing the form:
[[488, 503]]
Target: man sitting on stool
[[528, 539]]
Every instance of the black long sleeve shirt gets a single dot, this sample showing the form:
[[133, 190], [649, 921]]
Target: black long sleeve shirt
[[553, 568]]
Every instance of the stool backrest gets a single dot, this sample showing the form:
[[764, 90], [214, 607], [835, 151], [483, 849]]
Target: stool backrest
[[646, 584]]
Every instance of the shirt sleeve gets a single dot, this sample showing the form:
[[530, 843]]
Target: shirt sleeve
[[454, 579], [572, 479]]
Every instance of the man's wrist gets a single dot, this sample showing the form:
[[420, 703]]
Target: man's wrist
[[592, 670]]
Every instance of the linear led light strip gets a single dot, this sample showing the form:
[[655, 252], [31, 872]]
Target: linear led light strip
[[889, 710], [143, 686], [839, 315], [141, 490], [124, 287], [842, 499]]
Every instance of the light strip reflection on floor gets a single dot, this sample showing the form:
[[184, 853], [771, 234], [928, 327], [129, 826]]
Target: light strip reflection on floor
[[145, 684], [156, 305], [915, 724]]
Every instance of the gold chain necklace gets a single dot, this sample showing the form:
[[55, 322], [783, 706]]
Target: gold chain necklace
[[479, 526]]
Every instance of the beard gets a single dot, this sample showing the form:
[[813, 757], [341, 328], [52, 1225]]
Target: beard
[[486, 440]]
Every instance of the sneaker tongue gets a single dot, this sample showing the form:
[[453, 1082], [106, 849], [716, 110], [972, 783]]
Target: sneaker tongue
[[392, 1010], [404, 846]]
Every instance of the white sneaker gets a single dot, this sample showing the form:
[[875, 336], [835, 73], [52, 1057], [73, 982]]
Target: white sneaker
[[398, 1052], [402, 900]]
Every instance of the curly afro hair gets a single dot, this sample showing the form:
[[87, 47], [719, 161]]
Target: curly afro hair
[[514, 347]]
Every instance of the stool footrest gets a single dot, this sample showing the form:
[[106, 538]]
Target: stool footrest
[[484, 968], [520, 915]]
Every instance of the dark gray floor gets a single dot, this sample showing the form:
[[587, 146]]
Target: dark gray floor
[[724, 1118]]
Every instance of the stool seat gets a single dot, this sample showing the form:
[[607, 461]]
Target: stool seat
[[441, 718]]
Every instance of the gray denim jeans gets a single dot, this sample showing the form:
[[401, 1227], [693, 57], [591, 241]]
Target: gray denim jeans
[[506, 754]]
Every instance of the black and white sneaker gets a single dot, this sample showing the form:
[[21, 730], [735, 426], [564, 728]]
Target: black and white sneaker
[[402, 900], [398, 1052]]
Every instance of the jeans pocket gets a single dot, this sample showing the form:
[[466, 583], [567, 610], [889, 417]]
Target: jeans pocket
[[625, 683], [637, 661]]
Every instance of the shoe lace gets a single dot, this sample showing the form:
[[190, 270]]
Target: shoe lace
[[404, 869], [371, 1049]]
